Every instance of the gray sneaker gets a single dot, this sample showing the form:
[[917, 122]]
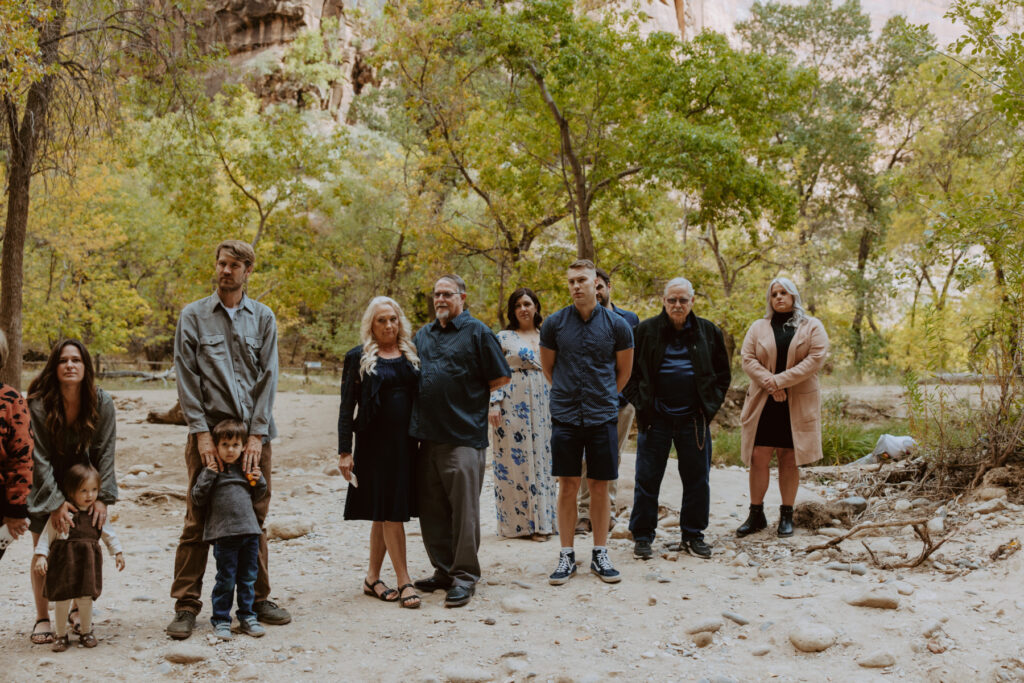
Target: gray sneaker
[[181, 626], [223, 630], [250, 627]]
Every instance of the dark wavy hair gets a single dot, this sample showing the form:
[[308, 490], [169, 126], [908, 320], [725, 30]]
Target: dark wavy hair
[[46, 387], [513, 322]]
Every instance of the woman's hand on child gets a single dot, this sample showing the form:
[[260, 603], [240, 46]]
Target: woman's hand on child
[[62, 518], [119, 561], [99, 514], [39, 566]]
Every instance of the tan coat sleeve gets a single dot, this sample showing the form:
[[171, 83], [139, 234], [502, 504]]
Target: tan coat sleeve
[[757, 372]]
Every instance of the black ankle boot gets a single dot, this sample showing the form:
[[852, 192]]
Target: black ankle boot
[[755, 521], [785, 520]]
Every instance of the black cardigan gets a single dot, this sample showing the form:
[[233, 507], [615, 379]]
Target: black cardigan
[[356, 392], [707, 352]]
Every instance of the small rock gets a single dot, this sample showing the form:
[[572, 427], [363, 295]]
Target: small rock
[[703, 639], [332, 471], [991, 493], [989, 506], [761, 651], [903, 588], [490, 621], [621, 531], [522, 584], [45, 661], [767, 572], [809, 636], [858, 569], [902, 505], [143, 598], [815, 556], [879, 597], [877, 660], [289, 528], [187, 654], [164, 669], [140, 469], [514, 604], [704, 625], [652, 600], [732, 616], [246, 671], [741, 560], [857, 503], [649, 654], [931, 629]]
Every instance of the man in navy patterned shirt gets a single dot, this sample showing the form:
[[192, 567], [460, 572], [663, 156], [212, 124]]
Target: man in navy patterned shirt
[[586, 352]]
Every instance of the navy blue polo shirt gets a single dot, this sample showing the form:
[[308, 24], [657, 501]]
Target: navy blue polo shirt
[[457, 363], [583, 389]]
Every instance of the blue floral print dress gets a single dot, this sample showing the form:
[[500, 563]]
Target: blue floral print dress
[[524, 490]]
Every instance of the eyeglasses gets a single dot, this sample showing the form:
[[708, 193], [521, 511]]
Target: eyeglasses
[[444, 295], [672, 301]]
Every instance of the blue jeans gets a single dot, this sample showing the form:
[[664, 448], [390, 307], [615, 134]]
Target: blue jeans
[[692, 437], [237, 565]]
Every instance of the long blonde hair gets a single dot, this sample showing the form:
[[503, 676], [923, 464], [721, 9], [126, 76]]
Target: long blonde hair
[[799, 312], [368, 362]]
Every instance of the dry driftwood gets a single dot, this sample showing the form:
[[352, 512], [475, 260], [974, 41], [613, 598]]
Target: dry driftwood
[[159, 494], [1005, 550], [174, 416], [861, 527], [920, 527]]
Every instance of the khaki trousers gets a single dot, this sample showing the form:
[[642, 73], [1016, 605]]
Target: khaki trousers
[[626, 415], [190, 559]]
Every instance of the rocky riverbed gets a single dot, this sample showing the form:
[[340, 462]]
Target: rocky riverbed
[[761, 608]]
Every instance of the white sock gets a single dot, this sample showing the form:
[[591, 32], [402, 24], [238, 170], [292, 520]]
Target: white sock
[[568, 551], [600, 549]]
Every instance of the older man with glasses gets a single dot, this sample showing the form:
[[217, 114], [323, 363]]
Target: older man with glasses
[[679, 380], [461, 363]]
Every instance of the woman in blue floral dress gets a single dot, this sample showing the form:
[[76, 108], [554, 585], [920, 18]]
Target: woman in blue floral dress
[[524, 490]]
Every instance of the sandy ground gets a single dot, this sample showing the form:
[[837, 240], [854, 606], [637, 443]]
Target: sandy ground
[[518, 627]]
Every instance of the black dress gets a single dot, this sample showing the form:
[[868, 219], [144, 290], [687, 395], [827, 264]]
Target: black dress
[[774, 428], [384, 452]]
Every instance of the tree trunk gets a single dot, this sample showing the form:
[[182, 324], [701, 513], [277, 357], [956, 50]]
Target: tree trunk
[[584, 237], [24, 146], [860, 294]]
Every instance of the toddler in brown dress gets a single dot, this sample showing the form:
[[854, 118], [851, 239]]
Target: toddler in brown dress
[[73, 563]]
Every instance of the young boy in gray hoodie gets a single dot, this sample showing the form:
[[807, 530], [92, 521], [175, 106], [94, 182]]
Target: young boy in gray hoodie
[[232, 528]]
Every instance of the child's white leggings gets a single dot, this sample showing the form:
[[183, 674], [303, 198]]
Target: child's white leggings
[[61, 610]]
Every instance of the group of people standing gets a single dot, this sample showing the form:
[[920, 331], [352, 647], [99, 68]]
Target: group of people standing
[[555, 397]]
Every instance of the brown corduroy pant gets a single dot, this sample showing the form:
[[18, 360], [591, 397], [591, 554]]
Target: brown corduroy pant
[[190, 559]]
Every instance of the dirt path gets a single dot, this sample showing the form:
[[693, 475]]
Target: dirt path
[[518, 626]]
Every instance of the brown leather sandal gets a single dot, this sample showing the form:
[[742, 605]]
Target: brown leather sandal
[[41, 637], [61, 644], [387, 595], [404, 602], [87, 639]]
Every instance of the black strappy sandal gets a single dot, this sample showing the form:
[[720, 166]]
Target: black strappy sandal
[[42, 637], [403, 602], [371, 590]]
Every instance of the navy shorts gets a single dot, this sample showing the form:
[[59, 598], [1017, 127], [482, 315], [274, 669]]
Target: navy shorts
[[599, 444]]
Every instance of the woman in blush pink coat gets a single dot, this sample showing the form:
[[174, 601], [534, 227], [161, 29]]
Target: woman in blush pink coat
[[782, 354]]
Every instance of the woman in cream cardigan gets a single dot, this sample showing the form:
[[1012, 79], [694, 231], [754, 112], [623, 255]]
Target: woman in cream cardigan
[[782, 354]]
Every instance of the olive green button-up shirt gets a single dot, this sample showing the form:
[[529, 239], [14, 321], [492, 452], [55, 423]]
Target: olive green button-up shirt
[[227, 368]]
